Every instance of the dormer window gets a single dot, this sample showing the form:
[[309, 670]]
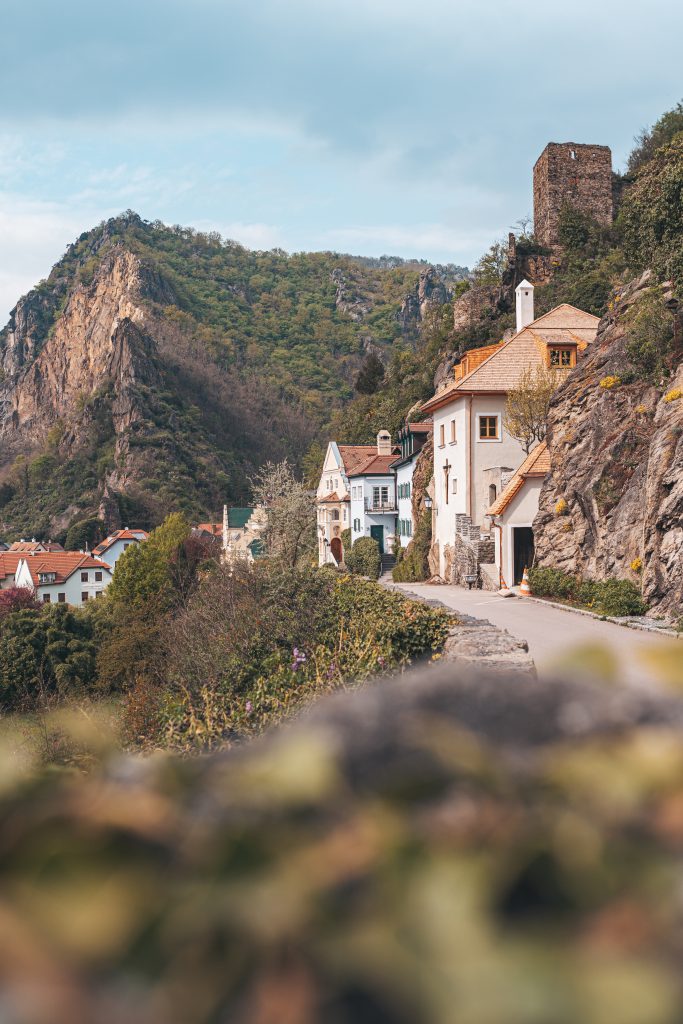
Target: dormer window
[[46, 577], [562, 358]]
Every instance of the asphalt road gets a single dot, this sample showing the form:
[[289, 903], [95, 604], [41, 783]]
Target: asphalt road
[[556, 637]]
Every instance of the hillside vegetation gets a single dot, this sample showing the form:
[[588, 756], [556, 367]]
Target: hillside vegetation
[[231, 357]]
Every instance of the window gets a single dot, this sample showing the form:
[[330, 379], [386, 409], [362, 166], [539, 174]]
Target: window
[[61, 598], [385, 495], [356, 525], [84, 596], [452, 431], [493, 494], [46, 598], [561, 357], [84, 577], [99, 593], [98, 577], [454, 486], [407, 490], [488, 428], [442, 435]]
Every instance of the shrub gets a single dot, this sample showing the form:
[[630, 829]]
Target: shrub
[[364, 558], [618, 597], [607, 597], [609, 382], [552, 583], [637, 564], [413, 566], [561, 508], [673, 395], [650, 334]]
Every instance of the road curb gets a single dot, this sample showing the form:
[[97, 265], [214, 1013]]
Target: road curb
[[655, 630]]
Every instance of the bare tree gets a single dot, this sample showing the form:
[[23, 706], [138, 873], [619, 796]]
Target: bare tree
[[526, 410], [290, 508]]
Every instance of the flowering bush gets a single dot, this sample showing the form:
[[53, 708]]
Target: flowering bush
[[561, 508], [673, 395], [609, 382], [637, 564], [640, 410], [607, 597]]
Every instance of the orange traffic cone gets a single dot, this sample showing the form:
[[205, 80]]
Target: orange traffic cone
[[525, 589]]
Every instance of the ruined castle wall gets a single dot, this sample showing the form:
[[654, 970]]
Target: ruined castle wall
[[571, 174]]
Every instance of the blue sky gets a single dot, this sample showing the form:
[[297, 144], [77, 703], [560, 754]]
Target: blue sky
[[365, 126]]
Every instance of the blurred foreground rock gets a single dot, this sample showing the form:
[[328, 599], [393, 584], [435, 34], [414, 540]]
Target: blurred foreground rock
[[438, 848]]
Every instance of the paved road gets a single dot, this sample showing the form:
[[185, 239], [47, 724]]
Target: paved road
[[554, 635]]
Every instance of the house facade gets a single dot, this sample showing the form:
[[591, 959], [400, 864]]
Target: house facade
[[113, 546], [411, 440], [333, 497], [373, 496], [512, 516], [474, 456], [67, 577]]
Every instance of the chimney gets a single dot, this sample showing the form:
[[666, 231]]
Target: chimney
[[524, 293], [384, 443]]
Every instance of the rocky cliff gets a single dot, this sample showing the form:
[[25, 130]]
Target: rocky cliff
[[613, 503]]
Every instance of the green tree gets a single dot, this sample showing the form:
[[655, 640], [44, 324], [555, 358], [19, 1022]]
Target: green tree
[[371, 375], [651, 139], [290, 508], [143, 579]]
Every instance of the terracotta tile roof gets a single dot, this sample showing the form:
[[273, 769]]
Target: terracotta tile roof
[[421, 428], [376, 465], [120, 535], [536, 464], [330, 499], [215, 529], [63, 563], [9, 560], [354, 455], [35, 545], [501, 370]]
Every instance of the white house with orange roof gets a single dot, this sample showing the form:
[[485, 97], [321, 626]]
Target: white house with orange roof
[[63, 577], [373, 496], [113, 546], [512, 515], [474, 456], [333, 497], [411, 439]]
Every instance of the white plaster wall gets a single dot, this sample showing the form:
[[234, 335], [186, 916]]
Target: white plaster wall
[[404, 475], [455, 453], [520, 512], [74, 587], [490, 454], [387, 520]]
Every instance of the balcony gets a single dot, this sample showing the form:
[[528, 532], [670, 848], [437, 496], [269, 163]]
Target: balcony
[[379, 508]]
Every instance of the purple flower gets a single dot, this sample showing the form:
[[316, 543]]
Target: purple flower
[[299, 659], [248, 707]]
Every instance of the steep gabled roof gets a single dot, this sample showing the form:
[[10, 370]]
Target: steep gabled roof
[[376, 465], [9, 560], [62, 563], [35, 545], [502, 369], [536, 464], [354, 455]]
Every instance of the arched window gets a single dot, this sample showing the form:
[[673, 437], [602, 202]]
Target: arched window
[[493, 493]]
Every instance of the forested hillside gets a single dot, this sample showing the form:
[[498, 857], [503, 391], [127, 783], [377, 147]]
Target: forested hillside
[[158, 367]]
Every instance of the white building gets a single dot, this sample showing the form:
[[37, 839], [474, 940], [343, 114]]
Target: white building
[[65, 577], [512, 515], [373, 496], [411, 440], [333, 497], [112, 547], [474, 456]]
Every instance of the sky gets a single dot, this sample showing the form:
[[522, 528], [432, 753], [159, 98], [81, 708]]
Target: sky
[[364, 126]]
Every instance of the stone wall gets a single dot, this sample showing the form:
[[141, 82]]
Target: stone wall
[[467, 552], [571, 174]]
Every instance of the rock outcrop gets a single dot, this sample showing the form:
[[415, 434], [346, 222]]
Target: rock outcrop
[[613, 502]]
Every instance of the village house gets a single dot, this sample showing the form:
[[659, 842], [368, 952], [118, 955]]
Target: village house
[[411, 440], [62, 577], [31, 546], [240, 534], [373, 496], [512, 514], [474, 455], [113, 546], [333, 497]]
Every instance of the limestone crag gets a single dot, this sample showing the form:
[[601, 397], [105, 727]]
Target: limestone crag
[[613, 502], [429, 292], [99, 342]]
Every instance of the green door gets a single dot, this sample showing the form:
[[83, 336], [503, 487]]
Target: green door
[[377, 533]]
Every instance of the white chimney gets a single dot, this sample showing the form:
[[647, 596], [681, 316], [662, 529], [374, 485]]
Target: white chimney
[[524, 304], [384, 443]]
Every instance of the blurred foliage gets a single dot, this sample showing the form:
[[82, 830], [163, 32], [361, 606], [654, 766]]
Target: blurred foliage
[[364, 558], [413, 565]]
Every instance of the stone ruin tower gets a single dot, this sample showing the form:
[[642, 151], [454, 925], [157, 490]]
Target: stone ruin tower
[[568, 173]]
